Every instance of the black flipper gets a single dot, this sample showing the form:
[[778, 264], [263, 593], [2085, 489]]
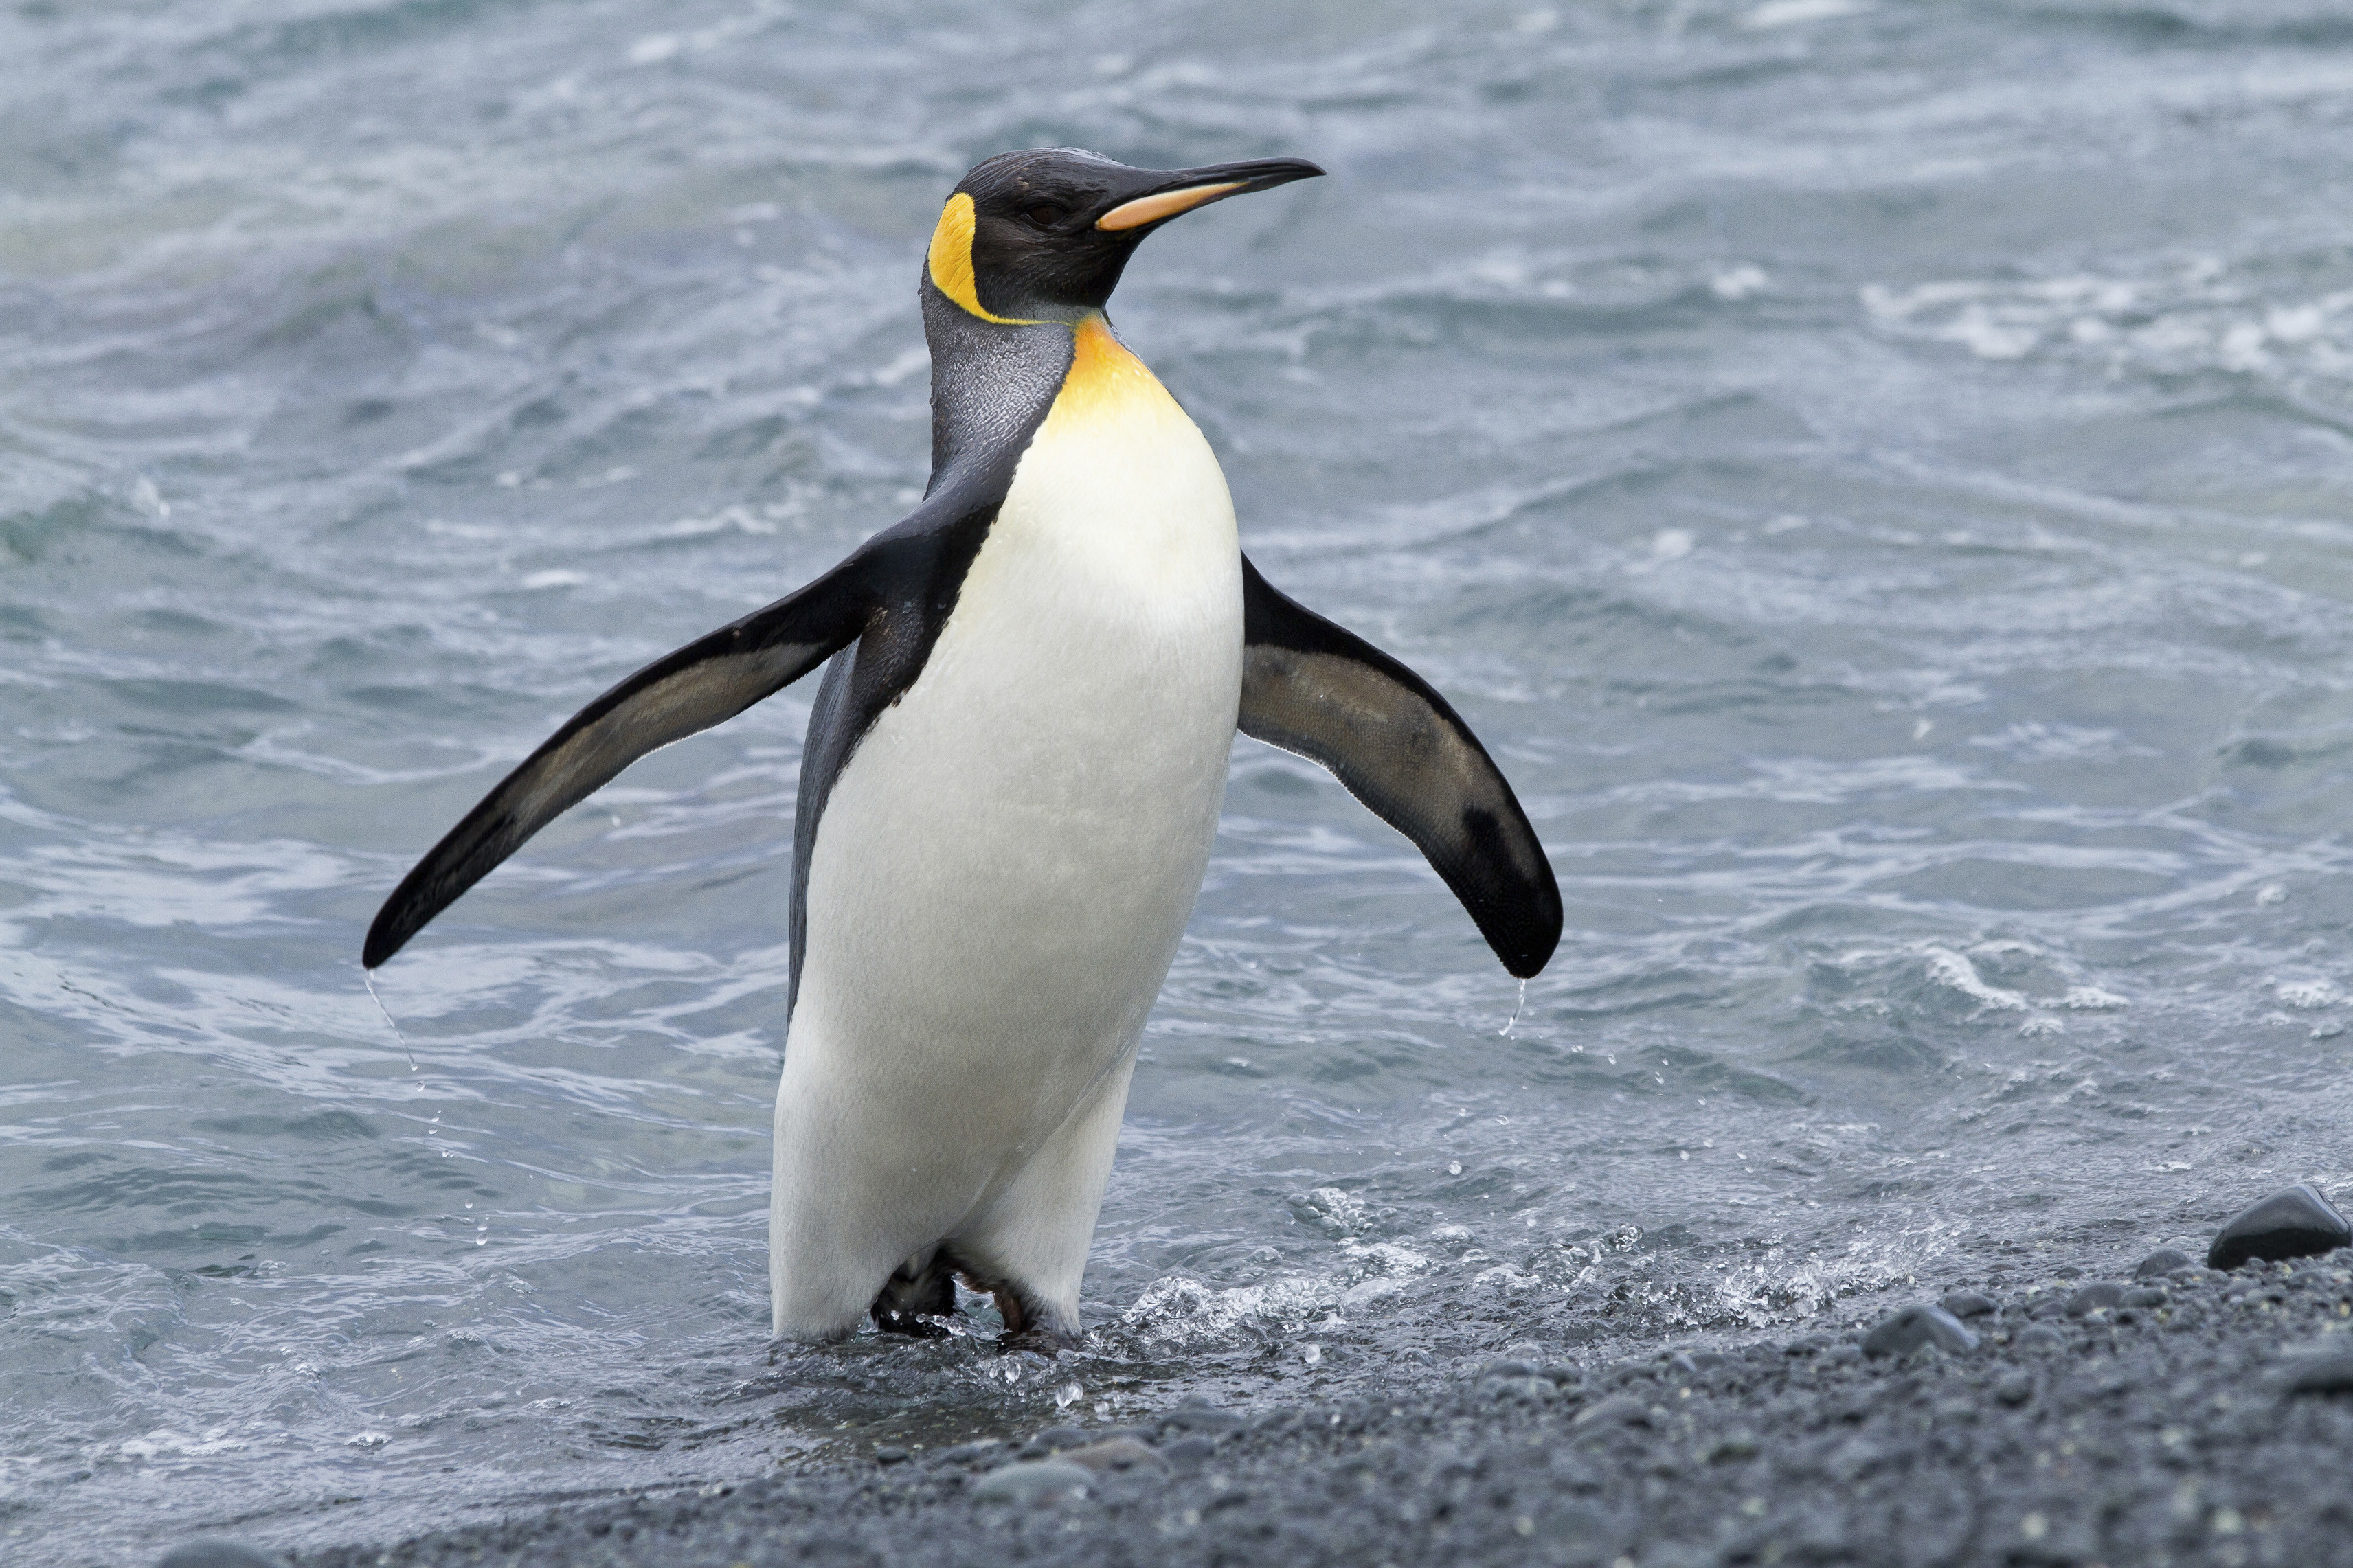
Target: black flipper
[[709, 679], [1318, 690]]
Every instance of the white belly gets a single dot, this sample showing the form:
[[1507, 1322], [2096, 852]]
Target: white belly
[[1005, 865]]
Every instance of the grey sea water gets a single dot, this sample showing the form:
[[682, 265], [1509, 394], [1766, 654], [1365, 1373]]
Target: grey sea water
[[1879, 478]]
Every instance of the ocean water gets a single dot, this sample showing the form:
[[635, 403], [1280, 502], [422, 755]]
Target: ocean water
[[1880, 478]]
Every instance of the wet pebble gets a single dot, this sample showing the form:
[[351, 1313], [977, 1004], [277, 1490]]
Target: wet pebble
[[2296, 1222], [1054, 1438], [1506, 1366], [967, 1453], [1910, 1328], [890, 1456], [2096, 1297], [1967, 1304], [2014, 1390], [1842, 1355], [2330, 1373], [1619, 1409], [220, 1554], [1190, 1452], [1118, 1453], [2145, 1296], [1206, 1418], [1531, 1390], [2039, 1337], [1033, 1480], [2162, 1262]]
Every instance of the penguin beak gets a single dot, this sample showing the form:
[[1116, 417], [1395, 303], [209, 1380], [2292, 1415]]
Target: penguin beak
[[1186, 189]]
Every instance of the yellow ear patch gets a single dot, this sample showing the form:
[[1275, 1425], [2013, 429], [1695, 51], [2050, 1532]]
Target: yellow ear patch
[[951, 261]]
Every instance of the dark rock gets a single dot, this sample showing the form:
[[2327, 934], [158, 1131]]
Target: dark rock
[[1561, 1371], [1190, 1453], [2039, 1337], [1811, 1344], [2296, 1222], [2049, 1307], [2145, 1296], [890, 1456], [220, 1554], [2330, 1373], [1207, 1419], [1038, 1480], [2014, 1390], [2068, 1271], [1909, 1328], [1967, 1304], [2096, 1297], [2162, 1262]]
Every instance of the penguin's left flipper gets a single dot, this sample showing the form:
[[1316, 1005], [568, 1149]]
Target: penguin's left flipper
[[709, 679], [1320, 690]]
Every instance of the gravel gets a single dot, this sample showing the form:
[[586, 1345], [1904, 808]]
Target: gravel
[[2211, 1426]]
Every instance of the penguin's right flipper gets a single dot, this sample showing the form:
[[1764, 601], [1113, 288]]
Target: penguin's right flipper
[[1316, 689], [709, 679]]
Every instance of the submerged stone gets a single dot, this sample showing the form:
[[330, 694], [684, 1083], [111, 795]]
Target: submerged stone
[[1034, 1480], [2294, 1222], [2162, 1262], [1912, 1327]]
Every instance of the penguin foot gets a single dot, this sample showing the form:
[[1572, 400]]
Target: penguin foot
[[916, 1300], [1026, 1328]]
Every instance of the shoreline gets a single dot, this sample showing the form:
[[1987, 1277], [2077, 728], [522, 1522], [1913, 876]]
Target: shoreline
[[2210, 1420]]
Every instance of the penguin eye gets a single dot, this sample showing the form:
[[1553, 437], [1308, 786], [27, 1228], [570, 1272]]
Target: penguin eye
[[1045, 215]]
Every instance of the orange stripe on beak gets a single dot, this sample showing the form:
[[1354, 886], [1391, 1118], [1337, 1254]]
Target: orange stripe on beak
[[1167, 204]]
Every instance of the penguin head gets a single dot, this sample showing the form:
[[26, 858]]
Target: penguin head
[[1044, 234]]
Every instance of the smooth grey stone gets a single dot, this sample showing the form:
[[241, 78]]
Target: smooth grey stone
[[2014, 1390], [1034, 1480], [1842, 1355], [2049, 1307], [890, 1456], [2039, 1337], [2095, 1299], [1967, 1304], [1904, 1332], [966, 1453], [1187, 1452], [1506, 1366], [1710, 1361], [1561, 1371], [1619, 1409], [1062, 1437], [2068, 1271], [2162, 1262], [1532, 1389], [220, 1554], [2147, 1296], [2186, 1318], [2294, 1222], [1206, 1418], [1118, 1453], [2331, 1373]]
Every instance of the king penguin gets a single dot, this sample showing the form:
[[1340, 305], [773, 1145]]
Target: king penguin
[[1013, 773]]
